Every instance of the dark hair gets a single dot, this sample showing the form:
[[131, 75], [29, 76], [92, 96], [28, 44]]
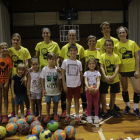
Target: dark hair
[[17, 35], [51, 55], [109, 40], [34, 59], [104, 23], [121, 28], [46, 29], [90, 37], [92, 59], [72, 46]]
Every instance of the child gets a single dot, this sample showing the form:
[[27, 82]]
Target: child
[[128, 53], [5, 73], [18, 89], [19, 54], [92, 78], [51, 85], [34, 88], [110, 77], [72, 69]]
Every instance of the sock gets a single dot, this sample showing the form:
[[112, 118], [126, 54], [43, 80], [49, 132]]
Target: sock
[[16, 116], [68, 115], [22, 114], [135, 106], [127, 104], [77, 115]]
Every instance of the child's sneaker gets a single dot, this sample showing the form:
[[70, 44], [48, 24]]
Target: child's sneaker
[[67, 120], [127, 110], [5, 119], [116, 108], [89, 119], [113, 113], [96, 119], [56, 118], [136, 112], [47, 119], [85, 112], [63, 115], [36, 113], [0, 118], [105, 115], [79, 121], [28, 112], [12, 115]]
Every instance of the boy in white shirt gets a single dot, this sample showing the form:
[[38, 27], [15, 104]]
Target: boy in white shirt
[[51, 85], [72, 82]]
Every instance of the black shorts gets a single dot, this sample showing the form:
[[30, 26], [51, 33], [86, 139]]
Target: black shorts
[[127, 74], [114, 88]]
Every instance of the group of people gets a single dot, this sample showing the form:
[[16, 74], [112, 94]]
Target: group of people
[[71, 72]]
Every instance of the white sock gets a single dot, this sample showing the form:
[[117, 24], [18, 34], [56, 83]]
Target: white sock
[[135, 106], [77, 115], [68, 115], [127, 104], [22, 114]]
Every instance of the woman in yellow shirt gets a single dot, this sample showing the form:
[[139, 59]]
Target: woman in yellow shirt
[[128, 53]]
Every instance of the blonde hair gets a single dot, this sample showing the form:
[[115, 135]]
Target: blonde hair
[[3, 44], [21, 66], [16, 35], [51, 55]]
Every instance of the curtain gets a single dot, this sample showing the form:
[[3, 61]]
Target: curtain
[[4, 24], [134, 21]]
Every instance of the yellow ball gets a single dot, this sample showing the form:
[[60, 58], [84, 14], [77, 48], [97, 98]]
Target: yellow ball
[[2, 132]]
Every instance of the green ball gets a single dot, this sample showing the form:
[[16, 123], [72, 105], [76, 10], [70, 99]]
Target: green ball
[[2, 132], [52, 125]]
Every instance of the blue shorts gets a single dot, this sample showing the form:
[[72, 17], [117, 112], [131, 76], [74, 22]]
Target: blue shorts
[[19, 99], [54, 98]]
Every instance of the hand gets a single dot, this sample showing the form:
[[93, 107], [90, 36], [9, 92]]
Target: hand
[[44, 92], [29, 94], [95, 90], [111, 78], [65, 89], [136, 75], [81, 89], [120, 77], [98, 49], [58, 69], [29, 70], [14, 96], [24, 79], [108, 80], [90, 89]]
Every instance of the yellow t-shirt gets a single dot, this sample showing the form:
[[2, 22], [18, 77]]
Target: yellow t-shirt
[[126, 53], [109, 63], [100, 44], [91, 54], [64, 52], [44, 49], [18, 57]]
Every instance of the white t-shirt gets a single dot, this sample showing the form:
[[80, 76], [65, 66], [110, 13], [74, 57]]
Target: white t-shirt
[[35, 85], [73, 68], [92, 77], [51, 77]]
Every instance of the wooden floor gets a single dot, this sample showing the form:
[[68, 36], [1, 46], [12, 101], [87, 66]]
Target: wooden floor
[[124, 127]]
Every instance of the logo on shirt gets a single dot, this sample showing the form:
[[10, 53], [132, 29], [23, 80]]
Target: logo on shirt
[[125, 53], [72, 70], [3, 69], [45, 52], [16, 60], [109, 67], [68, 55]]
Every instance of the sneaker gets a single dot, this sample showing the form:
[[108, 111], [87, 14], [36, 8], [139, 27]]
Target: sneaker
[[63, 115], [113, 113], [116, 108], [36, 113], [67, 120], [47, 119], [96, 119], [79, 121], [5, 119], [105, 115], [127, 110], [85, 112], [12, 115], [56, 118], [0, 118], [89, 119], [28, 112], [136, 112]]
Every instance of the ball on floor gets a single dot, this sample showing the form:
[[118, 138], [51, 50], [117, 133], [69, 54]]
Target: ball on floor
[[37, 129], [30, 118], [45, 135], [2, 132], [24, 128], [52, 125], [13, 119], [40, 119], [70, 131], [20, 121], [59, 135], [11, 128], [32, 137], [34, 123]]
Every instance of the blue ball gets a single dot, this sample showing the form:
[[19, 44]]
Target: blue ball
[[70, 131], [32, 137]]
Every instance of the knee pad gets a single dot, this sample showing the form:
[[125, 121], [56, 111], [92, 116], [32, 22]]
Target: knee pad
[[125, 96], [83, 97], [136, 97]]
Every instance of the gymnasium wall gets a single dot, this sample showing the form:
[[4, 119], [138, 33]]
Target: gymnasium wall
[[29, 17]]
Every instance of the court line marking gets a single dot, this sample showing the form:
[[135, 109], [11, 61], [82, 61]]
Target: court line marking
[[101, 135]]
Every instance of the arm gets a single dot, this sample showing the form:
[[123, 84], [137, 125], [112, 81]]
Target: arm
[[115, 73], [43, 86], [63, 81], [86, 83], [98, 84], [37, 54], [8, 79], [81, 78], [60, 85], [28, 85], [83, 62], [136, 75], [12, 89]]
